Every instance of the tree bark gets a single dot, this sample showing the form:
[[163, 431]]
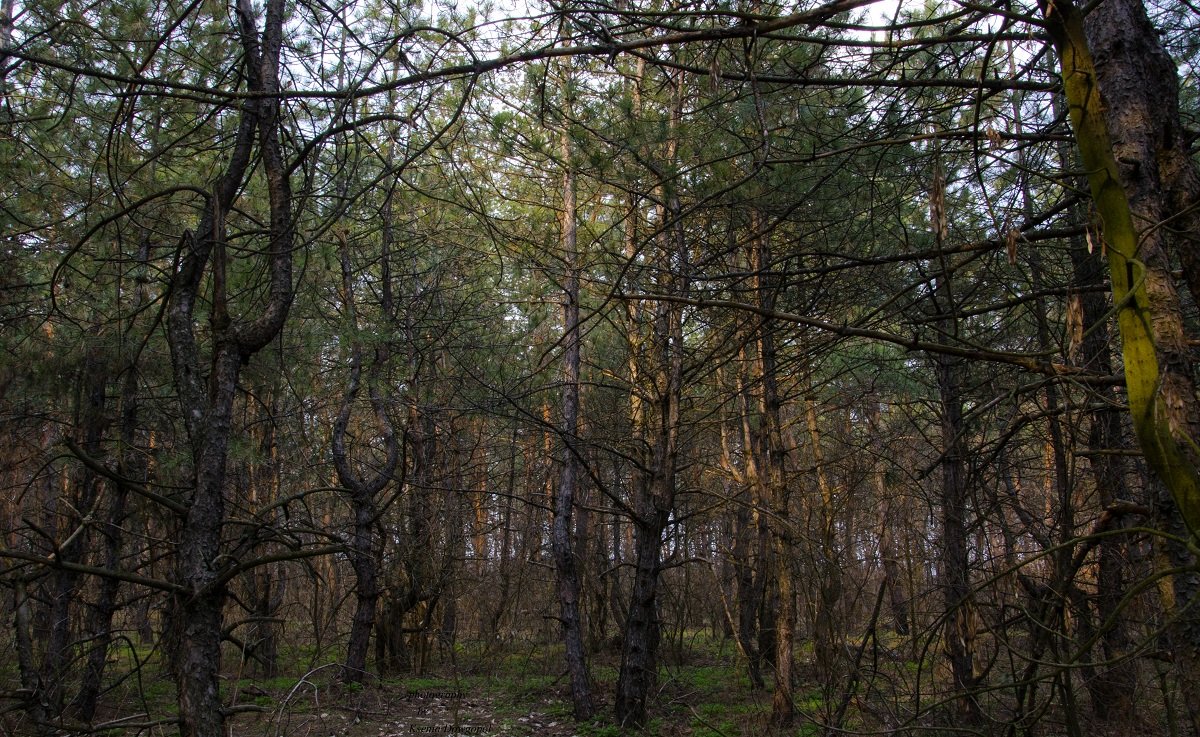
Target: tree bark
[[565, 559], [1158, 376], [654, 489], [1123, 105], [639, 654], [774, 489], [85, 492], [955, 564], [365, 547], [207, 406], [100, 618], [1139, 86], [748, 582], [654, 499]]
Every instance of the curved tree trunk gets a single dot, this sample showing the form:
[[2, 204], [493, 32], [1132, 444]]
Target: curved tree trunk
[[207, 400], [1158, 377], [364, 545]]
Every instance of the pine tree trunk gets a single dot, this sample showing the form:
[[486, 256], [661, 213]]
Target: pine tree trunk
[[85, 490], [1158, 372], [365, 547], [105, 606], [954, 579], [889, 558], [1140, 86], [1123, 105], [198, 613], [748, 587], [207, 402], [365, 565], [565, 559], [954, 574], [774, 488], [639, 655], [654, 490]]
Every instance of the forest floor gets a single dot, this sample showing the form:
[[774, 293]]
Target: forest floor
[[514, 696], [391, 710], [519, 689]]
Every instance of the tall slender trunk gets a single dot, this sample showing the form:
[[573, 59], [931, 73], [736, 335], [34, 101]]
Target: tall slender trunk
[[654, 495], [100, 618], [84, 487], [654, 489], [954, 571], [955, 580], [639, 654], [1058, 482], [889, 556], [506, 534], [1113, 685], [827, 647], [23, 637], [748, 585], [565, 559], [754, 557], [770, 478], [365, 545]]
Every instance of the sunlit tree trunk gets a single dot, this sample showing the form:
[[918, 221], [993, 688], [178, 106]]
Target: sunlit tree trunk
[[1139, 84], [1158, 379], [769, 476]]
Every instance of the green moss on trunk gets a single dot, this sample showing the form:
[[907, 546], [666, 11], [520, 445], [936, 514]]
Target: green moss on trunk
[[1131, 288]]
